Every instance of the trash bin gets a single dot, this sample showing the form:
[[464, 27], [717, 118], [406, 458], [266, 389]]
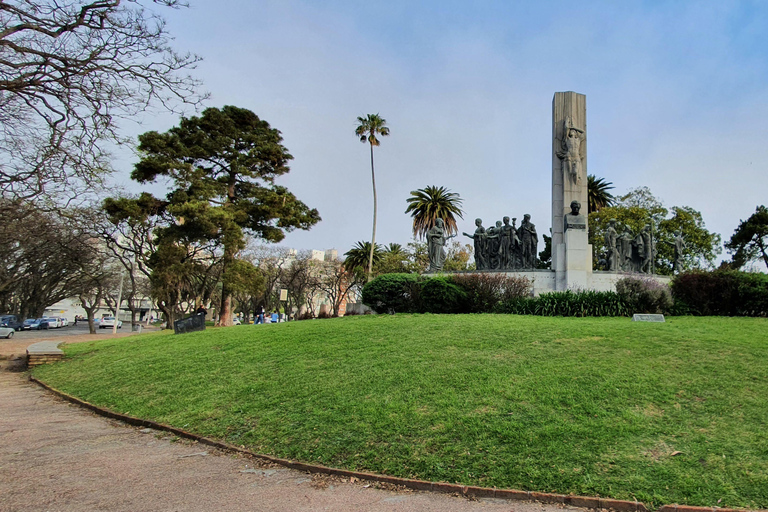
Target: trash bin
[[136, 327]]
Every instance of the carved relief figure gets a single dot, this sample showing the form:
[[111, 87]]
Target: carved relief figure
[[529, 240], [571, 150], [436, 245], [611, 238], [480, 245]]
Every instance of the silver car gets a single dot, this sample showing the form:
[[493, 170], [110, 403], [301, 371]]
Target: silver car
[[6, 332]]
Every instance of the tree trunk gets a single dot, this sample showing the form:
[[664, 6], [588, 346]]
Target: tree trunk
[[373, 236]]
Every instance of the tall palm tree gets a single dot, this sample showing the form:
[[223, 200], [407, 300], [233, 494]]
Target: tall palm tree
[[597, 193], [367, 129], [426, 205], [360, 256]]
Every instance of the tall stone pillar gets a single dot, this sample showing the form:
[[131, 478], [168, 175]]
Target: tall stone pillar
[[571, 253]]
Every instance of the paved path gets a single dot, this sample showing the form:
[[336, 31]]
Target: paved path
[[55, 456]]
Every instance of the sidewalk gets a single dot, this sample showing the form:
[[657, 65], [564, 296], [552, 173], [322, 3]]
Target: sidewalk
[[56, 456]]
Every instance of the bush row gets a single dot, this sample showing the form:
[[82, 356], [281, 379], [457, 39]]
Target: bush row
[[724, 293], [459, 293], [721, 293]]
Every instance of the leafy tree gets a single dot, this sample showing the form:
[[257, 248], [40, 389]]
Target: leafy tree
[[639, 207], [222, 168], [458, 257], [70, 70], [302, 280], [545, 255], [428, 204], [368, 129], [394, 259], [749, 241], [598, 196], [361, 255]]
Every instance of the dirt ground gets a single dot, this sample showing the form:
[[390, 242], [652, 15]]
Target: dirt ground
[[55, 456]]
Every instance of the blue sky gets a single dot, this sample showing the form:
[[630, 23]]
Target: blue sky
[[677, 100]]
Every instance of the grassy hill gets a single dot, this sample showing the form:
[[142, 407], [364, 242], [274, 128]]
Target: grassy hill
[[662, 413]]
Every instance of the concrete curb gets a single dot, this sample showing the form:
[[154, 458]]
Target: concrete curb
[[589, 502]]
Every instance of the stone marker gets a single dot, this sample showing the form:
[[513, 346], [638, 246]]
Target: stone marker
[[647, 318]]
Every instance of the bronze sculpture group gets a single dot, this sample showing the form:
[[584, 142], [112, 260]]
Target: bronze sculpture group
[[505, 246], [631, 253]]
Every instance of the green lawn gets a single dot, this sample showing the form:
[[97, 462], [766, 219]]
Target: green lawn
[[662, 413]]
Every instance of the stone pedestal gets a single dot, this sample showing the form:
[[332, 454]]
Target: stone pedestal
[[577, 260]]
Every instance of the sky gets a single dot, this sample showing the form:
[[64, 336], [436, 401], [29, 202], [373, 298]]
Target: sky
[[677, 100]]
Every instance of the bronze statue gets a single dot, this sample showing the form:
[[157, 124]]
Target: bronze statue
[[573, 219], [509, 243], [529, 240], [480, 245], [436, 246]]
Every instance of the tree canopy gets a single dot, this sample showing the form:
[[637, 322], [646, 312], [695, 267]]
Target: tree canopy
[[428, 204], [222, 167], [70, 70], [598, 196], [749, 241]]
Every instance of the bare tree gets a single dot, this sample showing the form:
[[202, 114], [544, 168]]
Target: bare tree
[[273, 263], [301, 280], [69, 71], [336, 282]]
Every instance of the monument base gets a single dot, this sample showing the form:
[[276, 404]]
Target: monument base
[[573, 261]]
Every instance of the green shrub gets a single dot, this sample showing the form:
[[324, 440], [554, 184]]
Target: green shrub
[[393, 293], [721, 293], [568, 303], [486, 291], [442, 295], [645, 295]]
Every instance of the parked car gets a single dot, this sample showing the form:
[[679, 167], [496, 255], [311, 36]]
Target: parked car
[[11, 321], [7, 332], [109, 322], [39, 323], [64, 322], [27, 325], [53, 323]]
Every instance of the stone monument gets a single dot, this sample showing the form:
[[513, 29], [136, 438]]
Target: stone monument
[[571, 252]]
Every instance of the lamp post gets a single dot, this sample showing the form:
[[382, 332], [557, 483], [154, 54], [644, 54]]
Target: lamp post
[[119, 303]]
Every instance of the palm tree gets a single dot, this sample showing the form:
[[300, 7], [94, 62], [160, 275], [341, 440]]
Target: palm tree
[[367, 129], [394, 249], [426, 205], [360, 256], [597, 193]]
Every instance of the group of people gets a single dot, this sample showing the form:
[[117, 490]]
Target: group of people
[[635, 253], [267, 318]]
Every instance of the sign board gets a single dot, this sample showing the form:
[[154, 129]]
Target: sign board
[[190, 324], [647, 318], [283, 294]]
